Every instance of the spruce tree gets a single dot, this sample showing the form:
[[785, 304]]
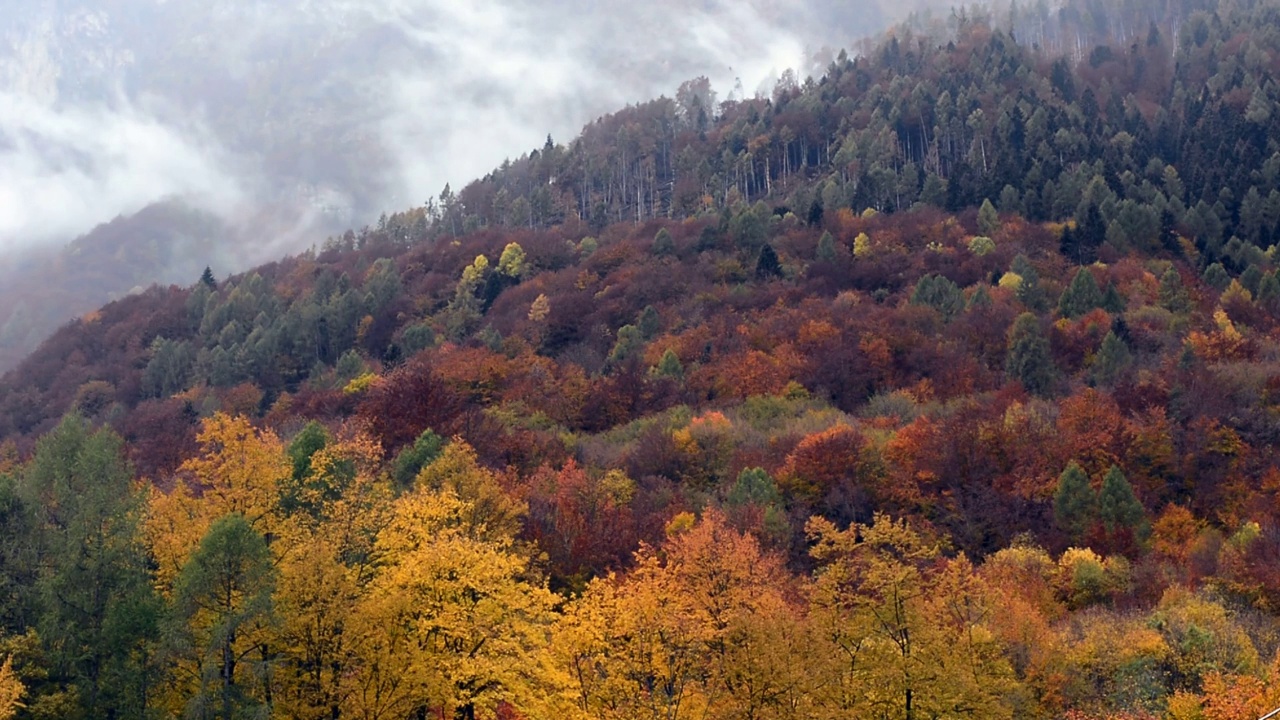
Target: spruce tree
[[1081, 296], [1173, 296], [988, 218], [767, 265], [669, 366], [1074, 502], [1112, 359], [1028, 360], [826, 248], [1118, 507]]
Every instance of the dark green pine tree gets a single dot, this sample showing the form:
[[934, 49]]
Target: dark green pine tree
[[1028, 360], [1074, 502], [1081, 296], [767, 264], [649, 322], [1216, 277], [207, 278], [1118, 507]]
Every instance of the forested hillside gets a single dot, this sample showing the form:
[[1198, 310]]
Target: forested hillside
[[944, 386]]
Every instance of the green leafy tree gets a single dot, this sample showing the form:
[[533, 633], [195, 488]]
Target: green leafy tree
[[222, 609], [412, 459], [99, 613]]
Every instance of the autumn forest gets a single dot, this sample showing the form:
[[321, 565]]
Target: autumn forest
[[944, 385]]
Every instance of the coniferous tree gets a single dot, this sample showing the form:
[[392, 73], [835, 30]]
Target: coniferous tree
[[663, 244], [1074, 502], [988, 218], [1173, 296], [826, 248], [1216, 277], [1081, 296], [767, 264], [1112, 359], [1112, 301], [1118, 507], [1028, 360]]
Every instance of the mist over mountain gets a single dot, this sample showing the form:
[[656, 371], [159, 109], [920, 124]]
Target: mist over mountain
[[288, 121], [334, 110]]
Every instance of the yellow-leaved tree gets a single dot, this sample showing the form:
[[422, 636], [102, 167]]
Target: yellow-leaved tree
[[700, 628], [239, 470], [338, 504], [453, 621], [11, 691], [904, 630]]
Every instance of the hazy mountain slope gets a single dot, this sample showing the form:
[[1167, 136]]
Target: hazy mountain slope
[[320, 114]]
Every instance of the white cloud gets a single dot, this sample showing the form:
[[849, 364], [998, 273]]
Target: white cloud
[[63, 170]]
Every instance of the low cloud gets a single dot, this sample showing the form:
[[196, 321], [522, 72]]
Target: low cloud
[[63, 170], [505, 74], [325, 112]]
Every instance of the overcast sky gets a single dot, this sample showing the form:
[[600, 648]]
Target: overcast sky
[[343, 106]]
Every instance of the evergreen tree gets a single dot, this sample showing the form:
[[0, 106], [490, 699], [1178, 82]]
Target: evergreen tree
[[939, 293], [1112, 301], [826, 248], [1029, 290], [1118, 507], [649, 322], [1216, 277], [663, 244], [1173, 296], [1074, 502], [629, 344], [1081, 296], [1112, 359], [1269, 293], [1028, 360], [207, 279], [988, 218], [669, 366], [767, 265]]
